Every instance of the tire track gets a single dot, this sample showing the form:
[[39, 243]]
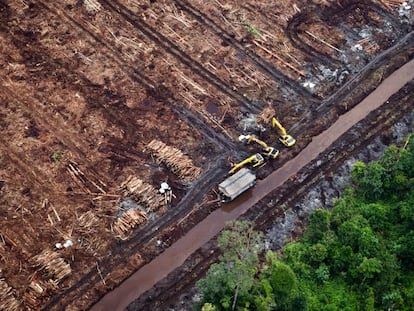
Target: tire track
[[171, 48], [192, 196], [198, 122], [167, 291], [403, 47], [383, 118], [209, 227], [330, 16], [300, 44], [261, 64]]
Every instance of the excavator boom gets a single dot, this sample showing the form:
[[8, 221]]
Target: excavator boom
[[284, 137], [257, 141], [256, 160], [276, 123], [269, 152]]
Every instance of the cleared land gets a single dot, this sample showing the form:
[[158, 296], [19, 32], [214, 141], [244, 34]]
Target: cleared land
[[102, 101]]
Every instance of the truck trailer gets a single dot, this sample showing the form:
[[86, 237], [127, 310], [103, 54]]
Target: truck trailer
[[236, 184]]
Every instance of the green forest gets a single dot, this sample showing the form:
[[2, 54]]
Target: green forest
[[357, 256]]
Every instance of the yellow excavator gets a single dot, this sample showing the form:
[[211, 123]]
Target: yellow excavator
[[255, 160], [269, 152], [284, 137]]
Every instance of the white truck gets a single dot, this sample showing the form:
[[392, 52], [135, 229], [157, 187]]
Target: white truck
[[236, 184]]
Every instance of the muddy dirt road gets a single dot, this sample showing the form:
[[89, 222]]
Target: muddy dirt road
[[175, 255]]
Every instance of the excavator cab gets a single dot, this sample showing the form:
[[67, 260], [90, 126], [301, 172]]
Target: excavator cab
[[271, 152], [287, 140], [255, 160], [284, 137]]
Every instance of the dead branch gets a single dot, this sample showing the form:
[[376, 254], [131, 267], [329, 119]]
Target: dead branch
[[81, 179], [323, 41], [266, 115], [88, 222], [35, 290], [92, 6], [279, 58]]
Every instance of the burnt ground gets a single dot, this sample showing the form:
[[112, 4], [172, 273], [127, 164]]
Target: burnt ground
[[87, 85]]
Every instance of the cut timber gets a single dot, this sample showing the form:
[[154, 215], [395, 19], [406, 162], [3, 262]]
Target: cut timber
[[8, 301], [179, 163], [129, 220], [143, 193], [92, 6], [53, 264], [266, 115], [323, 41], [35, 290], [88, 222]]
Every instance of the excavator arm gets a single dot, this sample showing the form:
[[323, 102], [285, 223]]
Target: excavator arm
[[284, 137], [269, 152], [276, 123], [257, 141], [256, 160]]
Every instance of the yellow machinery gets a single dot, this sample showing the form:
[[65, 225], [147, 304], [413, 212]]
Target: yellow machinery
[[269, 152], [284, 137], [256, 160]]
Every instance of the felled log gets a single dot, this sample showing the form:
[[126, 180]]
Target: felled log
[[129, 220], [142, 192], [179, 163], [54, 265], [8, 301]]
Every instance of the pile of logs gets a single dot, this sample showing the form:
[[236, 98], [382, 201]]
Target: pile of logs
[[143, 193], [8, 301], [369, 45], [34, 291], [266, 115], [390, 4], [92, 6], [53, 264], [88, 222], [129, 220], [179, 163]]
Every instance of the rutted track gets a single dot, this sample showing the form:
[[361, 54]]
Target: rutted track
[[328, 15], [132, 246], [228, 38], [218, 139], [89, 101], [174, 50], [404, 46], [128, 248]]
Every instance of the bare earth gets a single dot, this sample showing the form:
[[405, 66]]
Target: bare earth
[[102, 101]]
